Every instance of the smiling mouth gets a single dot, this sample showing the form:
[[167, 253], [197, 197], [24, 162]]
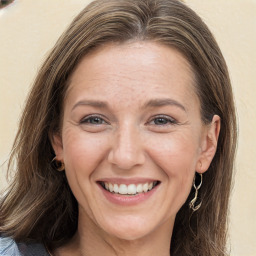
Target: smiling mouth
[[129, 190]]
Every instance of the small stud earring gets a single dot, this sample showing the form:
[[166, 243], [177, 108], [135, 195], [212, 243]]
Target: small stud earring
[[58, 165]]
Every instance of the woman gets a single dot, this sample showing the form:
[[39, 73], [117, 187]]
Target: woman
[[127, 141]]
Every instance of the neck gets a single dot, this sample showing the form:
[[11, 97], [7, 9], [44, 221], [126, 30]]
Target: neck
[[90, 240]]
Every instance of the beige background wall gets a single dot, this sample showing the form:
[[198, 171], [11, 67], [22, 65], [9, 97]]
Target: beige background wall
[[29, 28]]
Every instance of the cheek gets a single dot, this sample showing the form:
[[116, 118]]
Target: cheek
[[177, 156], [82, 153], [176, 150]]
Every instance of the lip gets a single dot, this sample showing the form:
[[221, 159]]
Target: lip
[[126, 200]]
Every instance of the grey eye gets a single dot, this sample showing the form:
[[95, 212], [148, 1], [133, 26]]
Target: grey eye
[[93, 120], [161, 121]]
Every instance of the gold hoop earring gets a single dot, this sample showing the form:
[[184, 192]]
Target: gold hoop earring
[[58, 165], [192, 203]]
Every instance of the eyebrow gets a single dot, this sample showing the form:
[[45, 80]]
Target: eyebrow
[[163, 102], [93, 103], [150, 103]]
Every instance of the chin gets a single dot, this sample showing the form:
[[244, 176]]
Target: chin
[[130, 228], [129, 234]]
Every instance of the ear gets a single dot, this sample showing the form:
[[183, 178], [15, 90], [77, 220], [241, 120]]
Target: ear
[[209, 144], [56, 141]]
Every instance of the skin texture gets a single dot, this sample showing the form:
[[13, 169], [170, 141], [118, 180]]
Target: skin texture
[[147, 126]]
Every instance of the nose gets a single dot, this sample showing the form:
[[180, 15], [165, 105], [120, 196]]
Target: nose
[[127, 149]]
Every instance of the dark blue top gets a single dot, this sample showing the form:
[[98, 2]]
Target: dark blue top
[[8, 247]]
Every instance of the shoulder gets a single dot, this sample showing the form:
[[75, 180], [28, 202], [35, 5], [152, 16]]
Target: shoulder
[[8, 247]]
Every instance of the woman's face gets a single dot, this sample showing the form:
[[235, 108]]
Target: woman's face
[[132, 138]]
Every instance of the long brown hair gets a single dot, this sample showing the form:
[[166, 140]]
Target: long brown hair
[[39, 204]]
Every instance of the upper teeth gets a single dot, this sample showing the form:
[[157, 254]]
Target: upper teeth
[[130, 189]]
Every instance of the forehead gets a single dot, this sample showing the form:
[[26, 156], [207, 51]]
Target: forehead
[[129, 70]]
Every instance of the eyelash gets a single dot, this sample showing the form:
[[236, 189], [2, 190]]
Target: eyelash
[[87, 120], [168, 120]]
